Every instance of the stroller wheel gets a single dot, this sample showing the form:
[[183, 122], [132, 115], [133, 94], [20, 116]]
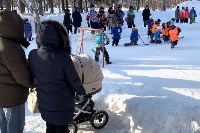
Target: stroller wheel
[[99, 119], [73, 128]]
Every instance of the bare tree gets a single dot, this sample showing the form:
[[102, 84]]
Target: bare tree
[[21, 6], [40, 7], [7, 4], [51, 6], [33, 8], [63, 5], [1, 4]]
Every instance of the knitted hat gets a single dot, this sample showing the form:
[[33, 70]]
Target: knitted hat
[[101, 8]]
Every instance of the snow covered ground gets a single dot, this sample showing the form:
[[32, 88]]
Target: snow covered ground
[[148, 88]]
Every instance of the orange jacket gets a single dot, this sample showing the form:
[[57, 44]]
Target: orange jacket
[[174, 34], [165, 30], [154, 26]]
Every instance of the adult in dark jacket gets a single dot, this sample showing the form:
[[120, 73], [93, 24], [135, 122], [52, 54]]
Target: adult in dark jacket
[[77, 19], [177, 14], [146, 14], [55, 75], [68, 21], [15, 77]]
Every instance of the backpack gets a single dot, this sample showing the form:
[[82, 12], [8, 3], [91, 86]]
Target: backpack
[[89, 72]]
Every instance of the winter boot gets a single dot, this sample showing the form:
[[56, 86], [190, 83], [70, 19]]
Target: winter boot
[[108, 62]]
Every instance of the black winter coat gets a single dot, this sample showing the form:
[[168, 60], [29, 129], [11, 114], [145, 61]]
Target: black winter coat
[[146, 14], [67, 19], [77, 19], [56, 77]]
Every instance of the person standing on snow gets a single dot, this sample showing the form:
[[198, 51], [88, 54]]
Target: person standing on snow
[[27, 30], [187, 15], [130, 17], [56, 77], [174, 34], [100, 39], [177, 14], [150, 23], [111, 18], [119, 15], [193, 14], [15, 77], [116, 32], [146, 14], [77, 19], [67, 21], [182, 15], [93, 17], [102, 20]]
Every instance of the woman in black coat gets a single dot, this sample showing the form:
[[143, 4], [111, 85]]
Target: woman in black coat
[[146, 14], [77, 19], [55, 76]]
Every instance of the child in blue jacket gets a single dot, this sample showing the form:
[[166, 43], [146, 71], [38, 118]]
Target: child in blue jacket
[[134, 37], [149, 22], [116, 32], [100, 39], [157, 36]]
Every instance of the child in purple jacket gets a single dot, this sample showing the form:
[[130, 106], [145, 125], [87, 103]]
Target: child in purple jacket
[[27, 29]]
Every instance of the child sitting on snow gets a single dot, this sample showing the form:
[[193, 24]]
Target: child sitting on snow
[[116, 32], [27, 29], [134, 37], [165, 32], [100, 39], [157, 33]]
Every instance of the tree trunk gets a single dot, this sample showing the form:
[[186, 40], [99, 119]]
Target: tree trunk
[[21, 7], [7, 4], [164, 5], [59, 6], [63, 5], [35, 12], [40, 7], [80, 3], [1, 4], [67, 5], [86, 5], [51, 6]]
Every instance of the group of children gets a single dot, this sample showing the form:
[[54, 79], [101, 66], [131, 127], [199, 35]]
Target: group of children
[[169, 33]]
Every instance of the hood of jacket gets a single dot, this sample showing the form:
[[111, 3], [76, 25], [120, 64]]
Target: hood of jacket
[[49, 36], [12, 27]]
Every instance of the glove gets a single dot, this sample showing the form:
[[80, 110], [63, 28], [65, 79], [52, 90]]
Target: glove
[[107, 42], [80, 98]]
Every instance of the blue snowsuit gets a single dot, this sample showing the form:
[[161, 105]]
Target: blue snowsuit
[[157, 37], [116, 32], [149, 22]]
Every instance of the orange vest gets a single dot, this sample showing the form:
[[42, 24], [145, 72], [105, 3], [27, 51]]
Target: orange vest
[[153, 27], [174, 34], [165, 31]]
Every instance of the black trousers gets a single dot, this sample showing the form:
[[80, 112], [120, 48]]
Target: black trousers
[[115, 41], [186, 20], [56, 128], [98, 49], [69, 28]]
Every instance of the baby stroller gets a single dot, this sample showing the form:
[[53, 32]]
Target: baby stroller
[[91, 76]]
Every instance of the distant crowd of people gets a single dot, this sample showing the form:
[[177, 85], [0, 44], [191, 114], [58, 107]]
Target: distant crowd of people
[[183, 15]]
